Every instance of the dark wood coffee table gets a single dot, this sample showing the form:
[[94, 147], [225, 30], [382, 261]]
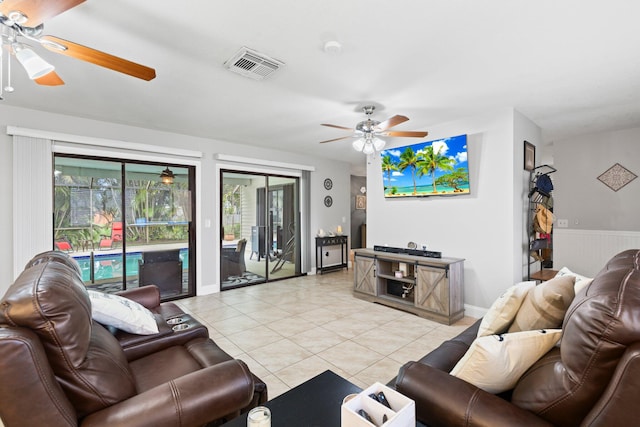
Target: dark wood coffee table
[[314, 403]]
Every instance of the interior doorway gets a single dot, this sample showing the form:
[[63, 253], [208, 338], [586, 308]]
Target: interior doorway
[[260, 228], [358, 212]]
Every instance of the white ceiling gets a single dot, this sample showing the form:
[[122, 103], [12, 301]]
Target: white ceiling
[[571, 66]]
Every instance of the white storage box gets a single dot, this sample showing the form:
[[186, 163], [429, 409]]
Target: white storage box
[[401, 414]]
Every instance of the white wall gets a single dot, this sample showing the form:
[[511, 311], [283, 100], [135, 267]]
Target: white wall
[[486, 227], [321, 217], [525, 130]]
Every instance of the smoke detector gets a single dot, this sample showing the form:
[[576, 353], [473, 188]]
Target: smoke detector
[[333, 47], [252, 64]]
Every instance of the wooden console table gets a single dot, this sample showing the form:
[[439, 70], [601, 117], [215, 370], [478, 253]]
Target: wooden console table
[[321, 242], [432, 287]]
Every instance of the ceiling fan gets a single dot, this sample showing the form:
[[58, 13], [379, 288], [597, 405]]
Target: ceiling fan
[[24, 20], [369, 131]]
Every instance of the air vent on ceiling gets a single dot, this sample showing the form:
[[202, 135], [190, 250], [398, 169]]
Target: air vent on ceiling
[[252, 64]]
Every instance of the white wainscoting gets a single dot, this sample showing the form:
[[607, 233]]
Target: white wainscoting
[[586, 251]]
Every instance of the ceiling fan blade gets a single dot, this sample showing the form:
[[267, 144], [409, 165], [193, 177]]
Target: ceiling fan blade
[[97, 57], [335, 126], [37, 11], [335, 139], [50, 79], [409, 133], [391, 122]]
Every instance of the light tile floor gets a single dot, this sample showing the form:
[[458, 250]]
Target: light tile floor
[[289, 331]]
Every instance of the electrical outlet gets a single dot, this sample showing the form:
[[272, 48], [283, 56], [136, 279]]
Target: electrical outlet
[[563, 223]]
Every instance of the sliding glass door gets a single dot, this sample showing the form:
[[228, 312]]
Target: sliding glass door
[[260, 237], [128, 224]]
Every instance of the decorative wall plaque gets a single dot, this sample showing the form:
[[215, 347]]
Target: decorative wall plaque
[[616, 177], [328, 184]]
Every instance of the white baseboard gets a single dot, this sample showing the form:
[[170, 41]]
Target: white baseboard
[[474, 311]]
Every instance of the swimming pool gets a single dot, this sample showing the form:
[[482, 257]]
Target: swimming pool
[[109, 266]]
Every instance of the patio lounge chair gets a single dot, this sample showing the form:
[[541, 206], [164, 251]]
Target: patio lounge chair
[[233, 260], [116, 236], [63, 244], [163, 269]]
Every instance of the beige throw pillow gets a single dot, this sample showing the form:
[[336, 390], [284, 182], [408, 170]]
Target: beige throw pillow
[[504, 309], [581, 281], [495, 363], [545, 305]]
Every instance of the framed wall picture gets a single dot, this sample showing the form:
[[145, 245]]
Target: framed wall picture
[[361, 201], [529, 156]]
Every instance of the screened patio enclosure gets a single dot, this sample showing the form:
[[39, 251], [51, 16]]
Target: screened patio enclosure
[[125, 226]]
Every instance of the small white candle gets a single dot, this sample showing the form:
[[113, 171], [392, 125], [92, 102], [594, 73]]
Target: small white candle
[[259, 417]]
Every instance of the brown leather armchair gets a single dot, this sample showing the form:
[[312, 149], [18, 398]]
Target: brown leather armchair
[[592, 379], [60, 368]]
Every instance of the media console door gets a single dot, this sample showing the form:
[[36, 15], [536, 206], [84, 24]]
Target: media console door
[[432, 289], [365, 275]]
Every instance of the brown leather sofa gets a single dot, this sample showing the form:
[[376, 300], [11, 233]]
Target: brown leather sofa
[[61, 368], [591, 379]]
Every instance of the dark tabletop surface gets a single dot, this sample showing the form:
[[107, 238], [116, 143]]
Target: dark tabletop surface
[[314, 403]]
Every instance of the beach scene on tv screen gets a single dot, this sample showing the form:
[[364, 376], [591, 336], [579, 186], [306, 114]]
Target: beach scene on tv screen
[[428, 168]]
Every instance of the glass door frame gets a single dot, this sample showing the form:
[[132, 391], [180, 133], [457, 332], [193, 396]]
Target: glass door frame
[[191, 229], [253, 244]]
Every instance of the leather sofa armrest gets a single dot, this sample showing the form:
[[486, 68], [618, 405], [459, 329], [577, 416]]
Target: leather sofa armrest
[[148, 296], [444, 400], [613, 407], [137, 346], [191, 400]]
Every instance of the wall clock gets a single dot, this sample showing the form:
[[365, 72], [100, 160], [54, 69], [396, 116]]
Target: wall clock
[[328, 184], [328, 201]]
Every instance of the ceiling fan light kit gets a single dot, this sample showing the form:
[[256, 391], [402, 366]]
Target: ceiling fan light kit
[[369, 131], [35, 66]]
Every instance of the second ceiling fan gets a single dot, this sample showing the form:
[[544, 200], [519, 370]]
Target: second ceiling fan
[[369, 132]]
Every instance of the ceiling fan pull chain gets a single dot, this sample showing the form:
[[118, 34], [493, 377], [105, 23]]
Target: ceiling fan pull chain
[[8, 88]]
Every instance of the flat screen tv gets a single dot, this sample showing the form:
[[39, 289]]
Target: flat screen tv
[[433, 168]]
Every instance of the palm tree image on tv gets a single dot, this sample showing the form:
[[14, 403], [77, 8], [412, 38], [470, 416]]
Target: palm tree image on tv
[[388, 166], [431, 161], [409, 160], [437, 167]]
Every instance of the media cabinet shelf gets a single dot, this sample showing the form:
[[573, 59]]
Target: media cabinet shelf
[[432, 287], [407, 279]]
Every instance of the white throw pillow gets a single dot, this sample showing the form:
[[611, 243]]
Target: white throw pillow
[[581, 281], [495, 363], [504, 309], [122, 313]]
